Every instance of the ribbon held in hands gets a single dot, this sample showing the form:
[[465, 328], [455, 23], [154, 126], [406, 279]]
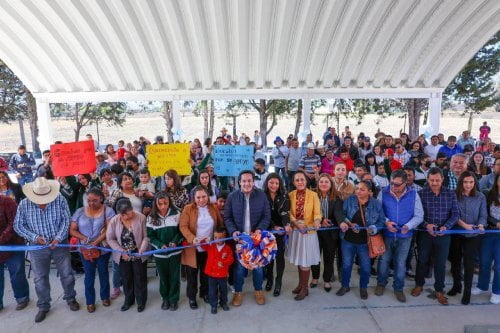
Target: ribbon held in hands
[[256, 250]]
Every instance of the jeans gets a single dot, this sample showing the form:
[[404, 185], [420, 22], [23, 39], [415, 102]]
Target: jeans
[[101, 265], [117, 279], [27, 178], [135, 281], [217, 289], [349, 250], [466, 248], [40, 262], [281, 172], [490, 254], [437, 248], [15, 265], [239, 277], [409, 258], [192, 277], [396, 250]]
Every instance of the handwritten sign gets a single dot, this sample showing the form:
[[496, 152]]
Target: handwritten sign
[[231, 160], [73, 158], [168, 156]]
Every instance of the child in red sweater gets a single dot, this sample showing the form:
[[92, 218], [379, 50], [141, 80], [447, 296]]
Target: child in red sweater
[[219, 259]]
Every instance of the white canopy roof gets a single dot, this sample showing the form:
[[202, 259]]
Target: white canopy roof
[[178, 49]]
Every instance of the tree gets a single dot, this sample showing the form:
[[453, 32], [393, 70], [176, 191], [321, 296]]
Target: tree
[[474, 86], [17, 104], [169, 122], [235, 109]]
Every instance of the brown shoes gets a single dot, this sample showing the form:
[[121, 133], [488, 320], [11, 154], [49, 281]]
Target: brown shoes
[[91, 308], [417, 291], [379, 290], [106, 302], [303, 281], [22, 305], [237, 298], [441, 298], [259, 297], [400, 296]]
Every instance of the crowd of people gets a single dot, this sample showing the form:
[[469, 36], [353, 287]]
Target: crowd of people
[[325, 201]]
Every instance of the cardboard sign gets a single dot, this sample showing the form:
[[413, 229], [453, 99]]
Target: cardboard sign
[[231, 160], [69, 159], [168, 156]]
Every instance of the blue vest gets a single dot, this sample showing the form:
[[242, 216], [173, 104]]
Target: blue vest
[[400, 211]]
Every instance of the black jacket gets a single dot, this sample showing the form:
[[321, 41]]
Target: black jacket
[[280, 207]]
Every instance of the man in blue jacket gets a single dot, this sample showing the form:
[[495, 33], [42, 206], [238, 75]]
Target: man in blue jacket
[[403, 210], [247, 210], [21, 163]]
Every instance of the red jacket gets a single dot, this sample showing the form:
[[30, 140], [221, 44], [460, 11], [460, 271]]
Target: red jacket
[[3, 165], [8, 236], [216, 259]]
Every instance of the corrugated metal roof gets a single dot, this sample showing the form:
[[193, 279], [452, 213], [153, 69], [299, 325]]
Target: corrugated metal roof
[[64, 49]]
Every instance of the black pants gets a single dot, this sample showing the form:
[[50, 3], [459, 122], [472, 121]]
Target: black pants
[[135, 282], [192, 277], [328, 243], [280, 261], [217, 288], [466, 248], [437, 248]]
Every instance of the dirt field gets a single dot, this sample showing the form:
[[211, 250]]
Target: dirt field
[[150, 125]]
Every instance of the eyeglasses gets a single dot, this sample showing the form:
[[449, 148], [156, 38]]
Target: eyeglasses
[[396, 184]]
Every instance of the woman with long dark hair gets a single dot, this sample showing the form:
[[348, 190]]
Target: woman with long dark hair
[[473, 215], [9, 188], [490, 247], [331, 211], [478, 166], [173, 187], [204, 180], [280, 221], [163, 232]]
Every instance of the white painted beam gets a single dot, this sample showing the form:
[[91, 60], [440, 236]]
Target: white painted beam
[[435, 112], [45, 135]]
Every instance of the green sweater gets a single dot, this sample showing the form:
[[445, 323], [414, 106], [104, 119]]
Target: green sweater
[[165, 233]]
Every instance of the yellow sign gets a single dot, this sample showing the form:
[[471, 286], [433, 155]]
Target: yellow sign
[[168, 156]]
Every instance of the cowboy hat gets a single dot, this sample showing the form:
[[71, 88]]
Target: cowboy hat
[[41, 191]]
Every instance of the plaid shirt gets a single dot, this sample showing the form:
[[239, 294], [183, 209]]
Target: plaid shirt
[[440, 210], [52, 223], [308, 163], [452, 181]]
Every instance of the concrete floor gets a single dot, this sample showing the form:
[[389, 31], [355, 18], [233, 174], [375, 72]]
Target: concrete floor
[[320, 312]]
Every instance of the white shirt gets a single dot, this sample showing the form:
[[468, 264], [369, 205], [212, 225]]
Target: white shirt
[[247, 227], [205, 226], [432, 151]]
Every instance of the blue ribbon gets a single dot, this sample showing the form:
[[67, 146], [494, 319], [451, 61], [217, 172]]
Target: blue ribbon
[[16, 248]]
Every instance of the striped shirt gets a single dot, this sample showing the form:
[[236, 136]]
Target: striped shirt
[[308, 163], [51, 223]]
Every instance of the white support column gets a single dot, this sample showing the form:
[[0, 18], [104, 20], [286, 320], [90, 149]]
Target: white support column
[[45, 137], [176, 120], [306, 117], [435, 112]]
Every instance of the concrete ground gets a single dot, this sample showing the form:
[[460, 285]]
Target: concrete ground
[[320, 312]]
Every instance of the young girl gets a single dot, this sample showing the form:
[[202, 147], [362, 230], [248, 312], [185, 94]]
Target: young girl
[[381, 178], [163, 232]]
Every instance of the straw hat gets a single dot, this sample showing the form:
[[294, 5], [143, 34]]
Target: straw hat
[[41, 191]]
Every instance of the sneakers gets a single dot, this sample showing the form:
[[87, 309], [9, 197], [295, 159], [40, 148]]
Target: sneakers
[[379, 290], [115, 293], [410, 273], [495, 299], [259, 297], [237, 298], [476, 291]]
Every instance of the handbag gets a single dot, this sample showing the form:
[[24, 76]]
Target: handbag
[[376, 244], [90, 253]]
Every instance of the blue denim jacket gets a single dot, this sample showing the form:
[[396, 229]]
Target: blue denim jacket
[[374, 214]]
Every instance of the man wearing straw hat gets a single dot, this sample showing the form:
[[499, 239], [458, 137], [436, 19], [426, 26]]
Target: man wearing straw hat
[[43, 218]]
